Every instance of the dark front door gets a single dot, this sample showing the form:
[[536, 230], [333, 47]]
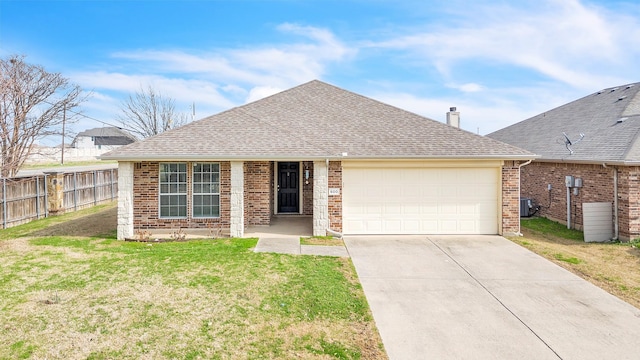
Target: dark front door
[[288, 187]]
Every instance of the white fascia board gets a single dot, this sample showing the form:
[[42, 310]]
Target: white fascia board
[[311, 158]]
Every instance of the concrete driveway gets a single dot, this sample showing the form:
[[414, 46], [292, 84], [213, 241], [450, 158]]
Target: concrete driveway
[[484, 297]]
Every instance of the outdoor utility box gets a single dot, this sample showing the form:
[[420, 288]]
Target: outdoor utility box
[[578, 182], [569, 181], [526, 207]]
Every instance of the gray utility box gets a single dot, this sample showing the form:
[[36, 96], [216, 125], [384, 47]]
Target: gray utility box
[[526, 207]]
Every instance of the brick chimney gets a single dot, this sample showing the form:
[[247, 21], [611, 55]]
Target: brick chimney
[[453, 117]]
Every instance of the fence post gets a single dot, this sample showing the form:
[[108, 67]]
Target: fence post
[[37, 197], [95, 188], [46, 198], [4, 203], [55, 193], [111, 181], [75, 192]]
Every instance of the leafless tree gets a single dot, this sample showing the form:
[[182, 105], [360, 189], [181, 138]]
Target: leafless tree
[[32, 105], [148, 112]]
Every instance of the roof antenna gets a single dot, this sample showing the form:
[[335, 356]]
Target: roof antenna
[[568, 143]]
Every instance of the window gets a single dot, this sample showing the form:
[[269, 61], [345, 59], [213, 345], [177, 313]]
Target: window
[[173, 190], [206, 190]]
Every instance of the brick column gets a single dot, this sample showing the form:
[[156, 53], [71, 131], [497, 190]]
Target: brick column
[[320, 198], [510, 199], [125, 200], [237, 199], [55, 193]]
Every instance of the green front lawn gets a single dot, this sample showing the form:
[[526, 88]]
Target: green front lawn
[[98, 298]]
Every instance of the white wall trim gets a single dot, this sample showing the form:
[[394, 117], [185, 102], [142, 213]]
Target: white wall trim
[[320, 198], [237, 199], [125, 200]]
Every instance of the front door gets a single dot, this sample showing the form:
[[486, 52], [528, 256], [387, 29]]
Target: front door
[[288, 187]]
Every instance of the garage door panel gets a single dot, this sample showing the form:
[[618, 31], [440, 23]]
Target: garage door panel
[[411, 209], [420, 200]]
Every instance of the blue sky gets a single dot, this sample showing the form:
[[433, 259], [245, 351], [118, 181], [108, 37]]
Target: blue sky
[[498, 62]]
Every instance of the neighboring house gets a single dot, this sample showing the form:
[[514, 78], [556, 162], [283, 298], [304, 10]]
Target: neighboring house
[[607, 159], [352, 164], [105, 138]]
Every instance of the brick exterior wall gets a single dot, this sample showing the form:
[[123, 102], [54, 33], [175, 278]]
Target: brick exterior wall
[[629, 202], [335, 201], [597, 187], [510, 198], [257, 192], [307, 188], [146, 193]]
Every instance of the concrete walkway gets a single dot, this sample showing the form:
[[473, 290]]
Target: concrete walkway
[[283, 237], [484, 297], [292, 246]]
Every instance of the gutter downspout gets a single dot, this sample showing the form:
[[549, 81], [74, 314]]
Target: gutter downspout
[[568, 207], [519, 233], [616, 229]]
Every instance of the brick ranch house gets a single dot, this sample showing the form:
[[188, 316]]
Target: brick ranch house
[[351, 164], [607, 159]]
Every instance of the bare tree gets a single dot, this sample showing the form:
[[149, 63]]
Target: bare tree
[[33, 102], [148, 112]]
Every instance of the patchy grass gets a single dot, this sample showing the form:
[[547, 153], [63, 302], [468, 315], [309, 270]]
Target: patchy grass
[[93, 221], [546, 226], [570, 260], [321, 240], [97, 298], [611, 266]]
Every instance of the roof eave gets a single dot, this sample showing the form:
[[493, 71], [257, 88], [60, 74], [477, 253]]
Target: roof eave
[[591, 162], [313, 157]]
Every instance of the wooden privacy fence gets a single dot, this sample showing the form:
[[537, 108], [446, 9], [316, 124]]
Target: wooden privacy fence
[[30, 198]]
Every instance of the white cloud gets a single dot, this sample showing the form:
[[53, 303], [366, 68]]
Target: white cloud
[[181, 90], [468, 87], [280, 65], [564, 40], [484, 114], [260, 92]]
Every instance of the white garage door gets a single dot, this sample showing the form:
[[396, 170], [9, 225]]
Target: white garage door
[[420, 200]]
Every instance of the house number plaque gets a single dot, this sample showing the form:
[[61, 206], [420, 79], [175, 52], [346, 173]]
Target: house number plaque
[[334, 191]]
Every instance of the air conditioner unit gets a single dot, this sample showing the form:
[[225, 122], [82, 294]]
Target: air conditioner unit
[[526, 207]]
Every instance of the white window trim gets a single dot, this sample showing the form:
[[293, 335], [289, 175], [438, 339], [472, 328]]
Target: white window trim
[[160, 193], [193, 193]]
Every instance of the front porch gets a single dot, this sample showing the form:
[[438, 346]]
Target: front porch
[[293, 194], [282, 226]]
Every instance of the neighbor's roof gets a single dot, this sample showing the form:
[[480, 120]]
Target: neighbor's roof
[[316, 121], [110, 131], [609, 120], [108, 136]]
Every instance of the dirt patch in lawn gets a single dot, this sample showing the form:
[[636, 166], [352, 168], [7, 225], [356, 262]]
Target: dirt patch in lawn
[[612, 267], [100, 223], [321, 240]]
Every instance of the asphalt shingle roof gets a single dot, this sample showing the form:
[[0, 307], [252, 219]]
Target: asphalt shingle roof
[[108, 136], [316, 120], [110, 131], [609, 119]]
